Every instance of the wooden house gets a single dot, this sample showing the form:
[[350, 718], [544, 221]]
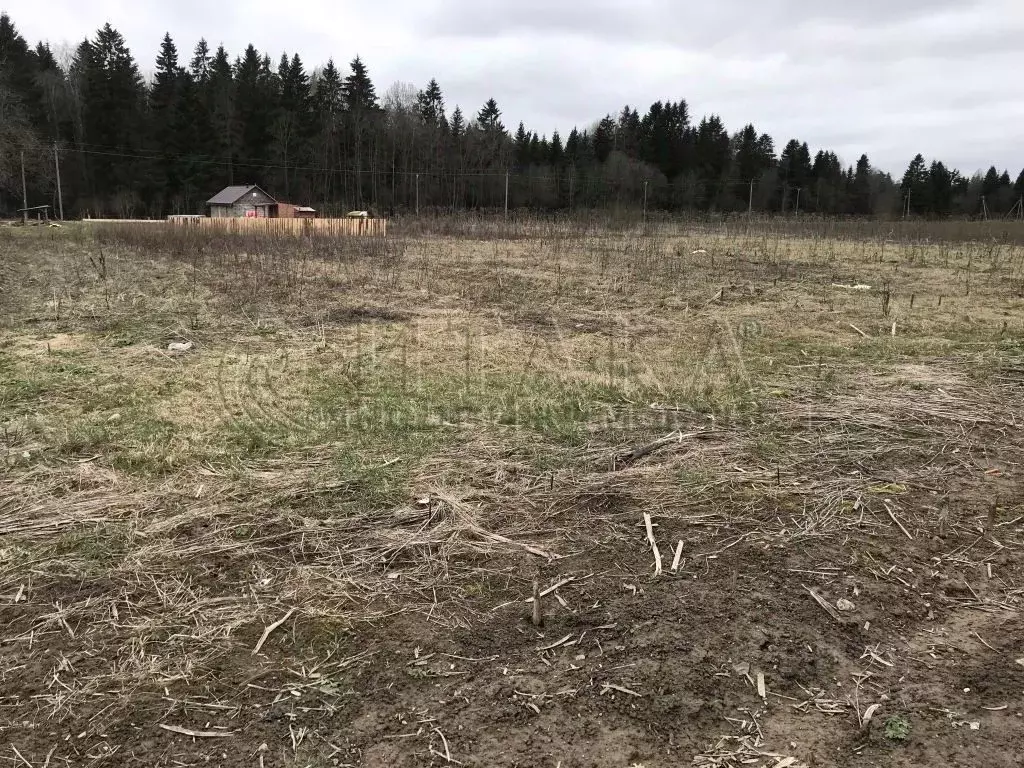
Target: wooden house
[[247, 201]]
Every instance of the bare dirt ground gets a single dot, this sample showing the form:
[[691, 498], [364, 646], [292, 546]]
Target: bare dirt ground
[[312, 539]]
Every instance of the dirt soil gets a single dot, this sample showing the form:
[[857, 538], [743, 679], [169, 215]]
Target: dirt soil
[[627, 670]]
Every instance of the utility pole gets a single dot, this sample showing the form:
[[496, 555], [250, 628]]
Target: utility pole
[[506, 195], [60, 195], [797, 209], [906, 211], [572, 178], [984, 208], [24, 190], [645, 202], [750, 204], [417, 194]]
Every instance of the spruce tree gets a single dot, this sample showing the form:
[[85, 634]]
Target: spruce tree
[[359, 94], [556, 152], [604, 138], [255, 108], [166, 113], [488, 119], [521, 147], [860, 192], [199, 68], [113, 120], [458, 123], [430, 104], [915, 184]]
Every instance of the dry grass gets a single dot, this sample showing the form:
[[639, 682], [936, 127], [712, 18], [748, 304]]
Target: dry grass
[[419, 425]]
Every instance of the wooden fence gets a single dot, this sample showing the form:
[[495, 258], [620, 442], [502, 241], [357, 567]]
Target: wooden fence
[[286, 227]]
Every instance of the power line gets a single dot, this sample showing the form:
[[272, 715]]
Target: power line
[[461, 173]]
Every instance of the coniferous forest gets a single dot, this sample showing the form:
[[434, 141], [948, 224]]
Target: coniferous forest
[[326, 136]]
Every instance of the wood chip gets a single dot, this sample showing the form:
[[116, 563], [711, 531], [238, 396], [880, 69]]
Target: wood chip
[[195, 734], [868, 714], [270, 629], [760, 686]]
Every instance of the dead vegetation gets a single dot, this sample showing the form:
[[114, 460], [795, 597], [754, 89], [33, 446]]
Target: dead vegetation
[[511, 494]]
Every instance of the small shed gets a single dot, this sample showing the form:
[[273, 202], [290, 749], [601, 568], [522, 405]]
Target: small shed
[[241, 202], [290, 211], [283, 211]]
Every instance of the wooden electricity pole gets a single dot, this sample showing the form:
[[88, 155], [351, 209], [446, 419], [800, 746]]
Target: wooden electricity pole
[[24, 190], [506, 194], [60, 195], [417, 194], [750, 203], [645, 202]]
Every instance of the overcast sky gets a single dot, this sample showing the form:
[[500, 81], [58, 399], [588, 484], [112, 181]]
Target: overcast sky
[[887, 77]]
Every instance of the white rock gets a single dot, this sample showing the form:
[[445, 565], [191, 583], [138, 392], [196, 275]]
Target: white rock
[[179, 346], [845, 605]]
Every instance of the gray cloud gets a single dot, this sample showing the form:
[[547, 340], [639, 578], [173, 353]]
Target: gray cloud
[[887, 77]]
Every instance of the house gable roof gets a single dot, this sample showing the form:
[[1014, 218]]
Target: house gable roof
[[231, 195]]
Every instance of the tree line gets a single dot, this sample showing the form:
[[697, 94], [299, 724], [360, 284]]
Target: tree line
[[325, 137]]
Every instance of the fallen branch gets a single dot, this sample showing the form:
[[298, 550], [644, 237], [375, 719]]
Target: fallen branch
[[270, 629], [195, 734], [678, 557], [557, 643], [505, 540], [558, 585], [611, 687], [896, 520], [858, 330], [447, 753], [640, 451], [824, 604], [654, 544]]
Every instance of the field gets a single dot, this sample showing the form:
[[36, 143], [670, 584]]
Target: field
[[313, 537]]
